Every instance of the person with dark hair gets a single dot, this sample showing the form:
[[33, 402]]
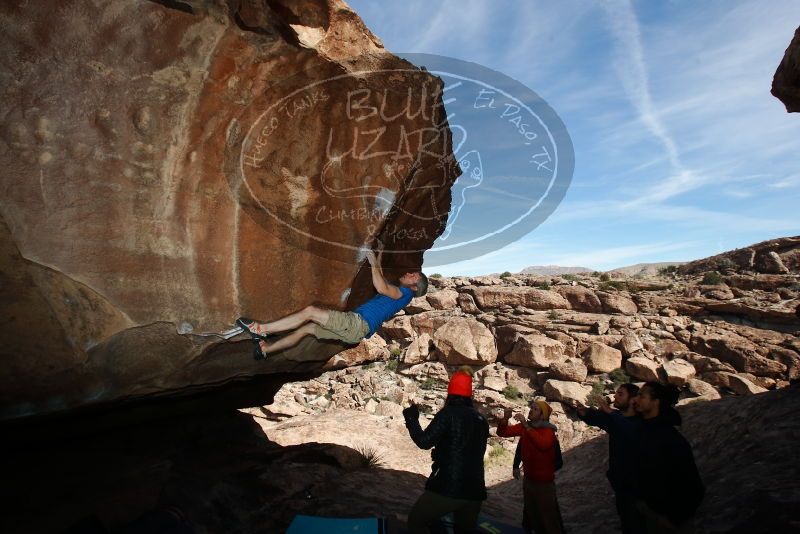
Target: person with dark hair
[[623, 427], [350, 326], [458, 435], [668, 482], [541, 513]]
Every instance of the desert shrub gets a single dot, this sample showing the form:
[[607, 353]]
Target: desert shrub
[[598, 389], [498, 455], [596, 273], [612, 284], [553, 315], [668, 270], [430, 383], [369, 457], [619, 376], [506, 275], [395, 351], [435, 275], [511, 393], [725, 264], [712, 278], [570, 277], [369, 365], [391, 365], [605, 277], [542, 285]]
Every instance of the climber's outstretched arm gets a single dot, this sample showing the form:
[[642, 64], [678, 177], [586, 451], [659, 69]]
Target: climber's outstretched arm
[[378, 280]]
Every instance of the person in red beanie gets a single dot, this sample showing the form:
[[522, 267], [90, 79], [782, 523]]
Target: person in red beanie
[[538, 440], [458, 435]]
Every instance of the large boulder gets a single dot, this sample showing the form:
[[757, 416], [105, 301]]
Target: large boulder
[[535, 350], [444, 299], [507, 335], [388, 409], [743, 386], [642, 368], [702, 389], [737, 351], [705, 364], [668, 347], [465, 341], [371, 349], [572, 369], [567, 392], [678, 371], [425, 370], [569, 342], [169, 166], [418, 305], [616, 303], [787, 357], [580, 298], [418, 350], [398, 327], [601, 358], [467, 303], [429, 322], [492, 297], [630, 344]]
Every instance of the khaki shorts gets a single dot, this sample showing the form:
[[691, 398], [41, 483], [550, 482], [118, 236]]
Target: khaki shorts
[[349, 327]]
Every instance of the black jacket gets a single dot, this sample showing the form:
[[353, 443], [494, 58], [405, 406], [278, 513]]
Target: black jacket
[[623, 442], [458, 434], [668, 479]]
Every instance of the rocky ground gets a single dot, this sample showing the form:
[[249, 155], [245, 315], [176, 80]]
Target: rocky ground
[[719, 329]]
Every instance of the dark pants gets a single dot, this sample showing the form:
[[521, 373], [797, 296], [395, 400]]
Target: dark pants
[[541, 512], [629, 515], [431, 506], [655, 523]]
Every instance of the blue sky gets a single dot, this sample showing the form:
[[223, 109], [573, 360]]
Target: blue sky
[[680, 150]]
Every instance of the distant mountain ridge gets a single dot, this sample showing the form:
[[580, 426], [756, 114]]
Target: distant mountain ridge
[[640, 269], [644, 269], [554, 270]]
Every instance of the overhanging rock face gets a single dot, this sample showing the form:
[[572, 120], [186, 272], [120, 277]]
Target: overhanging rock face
[[786, 83], [169, 166]]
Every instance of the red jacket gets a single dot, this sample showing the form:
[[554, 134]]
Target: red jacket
[[538, 450]]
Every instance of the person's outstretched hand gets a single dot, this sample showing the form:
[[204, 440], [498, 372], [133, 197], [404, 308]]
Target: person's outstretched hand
[[412, 412], [577, 406], [521, 419], [602, 404], [507, 413]]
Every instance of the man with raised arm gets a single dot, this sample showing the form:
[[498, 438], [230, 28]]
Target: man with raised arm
[[457, 435], [624, 427], [349, 326], [541, 513]]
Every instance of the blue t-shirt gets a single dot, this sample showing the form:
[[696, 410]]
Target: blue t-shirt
[[380, 308]]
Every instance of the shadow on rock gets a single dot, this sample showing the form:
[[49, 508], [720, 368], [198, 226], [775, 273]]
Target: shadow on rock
[[216, 472]]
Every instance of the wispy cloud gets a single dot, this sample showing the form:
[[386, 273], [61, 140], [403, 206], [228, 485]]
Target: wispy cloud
[[632, 70], [633, 73], [785, 183]]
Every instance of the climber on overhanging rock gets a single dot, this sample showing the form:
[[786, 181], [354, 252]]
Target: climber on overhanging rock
[[350, 327]]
